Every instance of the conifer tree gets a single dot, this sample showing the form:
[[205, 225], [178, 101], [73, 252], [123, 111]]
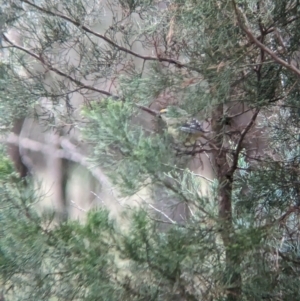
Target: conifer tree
[[234, 66]]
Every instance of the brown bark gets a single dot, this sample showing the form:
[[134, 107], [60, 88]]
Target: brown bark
[[58, 168], [242, 24], [14, 151], [224, 174]]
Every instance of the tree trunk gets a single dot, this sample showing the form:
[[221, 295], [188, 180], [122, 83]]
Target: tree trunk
[[224, 174], [14, 150]]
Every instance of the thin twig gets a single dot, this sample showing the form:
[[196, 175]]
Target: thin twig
[[261, 45], [239, 144], [203, 177], [161, 212], [89, 30], [68, 152], [57, 71]]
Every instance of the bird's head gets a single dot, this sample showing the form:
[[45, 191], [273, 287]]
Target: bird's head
[[173, 112]]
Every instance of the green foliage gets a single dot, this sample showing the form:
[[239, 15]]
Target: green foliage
[[196, 56], [6, 167], [123, 148]]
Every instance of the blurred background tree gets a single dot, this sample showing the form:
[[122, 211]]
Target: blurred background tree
[[82, 88]]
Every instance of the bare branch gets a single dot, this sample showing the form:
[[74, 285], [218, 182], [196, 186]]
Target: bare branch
[[87, 29], [77, 82], [57, 71], [68, 152], [203, 177], [250, 35], [239, 144], [161, 212]]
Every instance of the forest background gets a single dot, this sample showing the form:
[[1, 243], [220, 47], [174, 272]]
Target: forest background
[[102, 198]]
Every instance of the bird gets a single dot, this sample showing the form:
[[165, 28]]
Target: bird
[[181, 126]]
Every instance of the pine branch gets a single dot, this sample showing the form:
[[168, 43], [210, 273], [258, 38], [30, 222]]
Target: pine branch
[[57, 71], [89, 30], [239, 144], [251, 36]]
